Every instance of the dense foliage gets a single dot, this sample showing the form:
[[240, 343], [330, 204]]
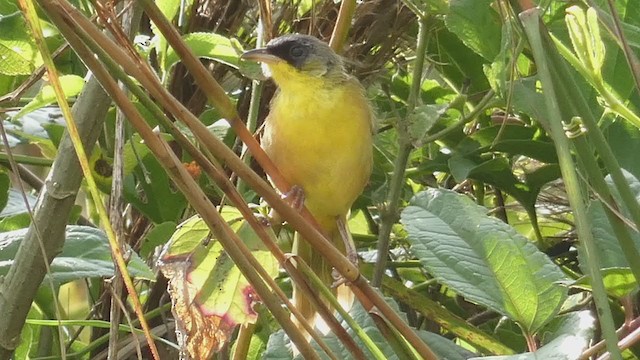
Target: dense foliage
[[500, 220]]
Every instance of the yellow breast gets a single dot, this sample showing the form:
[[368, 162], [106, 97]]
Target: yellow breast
[[320, 138]]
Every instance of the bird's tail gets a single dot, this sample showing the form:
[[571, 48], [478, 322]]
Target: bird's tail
[[321, 267]]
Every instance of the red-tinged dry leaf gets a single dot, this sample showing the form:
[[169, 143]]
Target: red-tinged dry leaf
[[209, 294]]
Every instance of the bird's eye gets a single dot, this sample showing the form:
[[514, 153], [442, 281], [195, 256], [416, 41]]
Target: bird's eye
[[297, 51]]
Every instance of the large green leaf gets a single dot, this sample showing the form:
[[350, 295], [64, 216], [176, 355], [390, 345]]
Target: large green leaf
[[86, 254], [15, 204], [17, 48], [71, 86], [477, 24], [482, 258], [209, 293], [210, 46], [611, 255], [606, 242]]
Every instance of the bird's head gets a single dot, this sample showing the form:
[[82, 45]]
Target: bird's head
[[298, 59]]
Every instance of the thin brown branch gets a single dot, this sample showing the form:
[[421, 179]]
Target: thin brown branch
[[215, 146], [183, 180]]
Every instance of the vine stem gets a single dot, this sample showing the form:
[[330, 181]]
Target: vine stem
[[389, 210]]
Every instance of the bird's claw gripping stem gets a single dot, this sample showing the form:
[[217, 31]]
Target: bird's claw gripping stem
[[295, 197]]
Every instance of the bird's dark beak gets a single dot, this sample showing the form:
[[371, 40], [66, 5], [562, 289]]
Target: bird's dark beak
[[260, 55]]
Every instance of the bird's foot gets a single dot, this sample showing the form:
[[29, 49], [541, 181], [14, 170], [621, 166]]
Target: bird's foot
[[295, 197], [350, 247], [338, 279]]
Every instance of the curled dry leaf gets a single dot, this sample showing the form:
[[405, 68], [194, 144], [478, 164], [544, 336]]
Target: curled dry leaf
[[210, 297]]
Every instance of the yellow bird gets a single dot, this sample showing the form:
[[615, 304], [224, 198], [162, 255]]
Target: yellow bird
[[319, 135]]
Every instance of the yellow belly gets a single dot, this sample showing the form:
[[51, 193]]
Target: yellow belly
[[323, 146]]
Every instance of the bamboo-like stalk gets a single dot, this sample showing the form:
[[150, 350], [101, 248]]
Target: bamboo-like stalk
[[215, 146], [182, 179], [531, 22], [343, 24], [29, 9], [371, 346], [578, 105], [217, 96], [300, 223], [130, 20], [219, 177], [227, 187], [51, 215]]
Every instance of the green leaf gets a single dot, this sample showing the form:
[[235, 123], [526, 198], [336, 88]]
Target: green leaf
[[150, 190], [612, 255], [616, 71], [461, 167], [482, 258], [499, 72], [18, 50], [4, 189], [456, 62], [624, 140], [15, 204], [30, 336], [71, 85], [15, 222], [169, 9], [8, 7], [619, 282], [55, 132], [498, 172], [527, 99], [511, 139], [86, 254], [443, 347], [159, 235], [208, 290], [477, 25], [563, 339], [209, 46], [422, 119]]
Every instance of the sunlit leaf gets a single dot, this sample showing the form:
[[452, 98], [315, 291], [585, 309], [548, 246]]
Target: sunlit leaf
[[618, 282], [18, 50], [86, 254], [210, 295], [209, 46], [482, 258], [15, 204], [477, 24], [71, 86]]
